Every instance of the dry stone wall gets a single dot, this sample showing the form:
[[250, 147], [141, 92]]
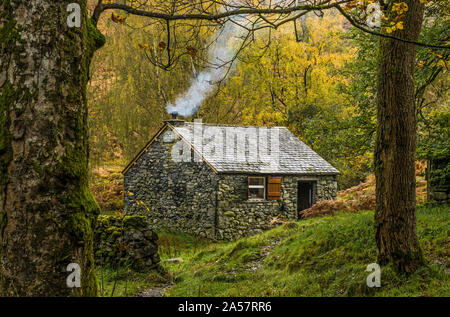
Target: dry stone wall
[[237, 216], [127, 241], [178, 196]]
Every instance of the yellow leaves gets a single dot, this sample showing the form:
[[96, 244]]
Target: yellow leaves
[[400, 8], [441, 63], [146, 47], [435, 54], [119, 213], [398, 13], [141, 203], [133, 3], [117, 18], [351, 5], [161, 46], [394, 26]]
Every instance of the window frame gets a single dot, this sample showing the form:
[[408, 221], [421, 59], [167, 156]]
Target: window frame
[[263, 186]]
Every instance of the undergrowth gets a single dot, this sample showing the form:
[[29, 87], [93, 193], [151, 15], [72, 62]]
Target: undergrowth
[[323, 256]]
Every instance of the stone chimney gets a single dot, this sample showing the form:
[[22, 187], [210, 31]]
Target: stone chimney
[[175, 121]]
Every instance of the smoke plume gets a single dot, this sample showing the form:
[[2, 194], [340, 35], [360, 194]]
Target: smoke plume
[[221, 51]]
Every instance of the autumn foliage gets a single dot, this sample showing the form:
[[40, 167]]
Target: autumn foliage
[[362, 197]]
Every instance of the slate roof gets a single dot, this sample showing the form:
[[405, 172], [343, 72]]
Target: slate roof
[[291, 156]]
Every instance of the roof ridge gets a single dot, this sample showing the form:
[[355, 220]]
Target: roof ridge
[[231, 125], [293, 155]]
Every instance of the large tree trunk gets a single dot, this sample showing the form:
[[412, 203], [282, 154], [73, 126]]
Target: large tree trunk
[[47, 212], [395, 215]]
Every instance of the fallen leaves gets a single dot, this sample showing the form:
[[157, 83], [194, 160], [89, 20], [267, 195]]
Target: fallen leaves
[[361, 197]]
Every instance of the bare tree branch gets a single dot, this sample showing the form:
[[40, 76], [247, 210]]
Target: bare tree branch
[[243, 10]]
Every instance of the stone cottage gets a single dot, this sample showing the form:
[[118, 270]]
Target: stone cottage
[[224, 182]]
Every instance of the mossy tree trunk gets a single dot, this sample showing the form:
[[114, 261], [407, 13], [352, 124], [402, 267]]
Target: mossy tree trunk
[[47, 212], [395, 215]]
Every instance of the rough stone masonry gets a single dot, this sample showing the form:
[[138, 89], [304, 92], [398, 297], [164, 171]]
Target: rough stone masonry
[[209, 198]]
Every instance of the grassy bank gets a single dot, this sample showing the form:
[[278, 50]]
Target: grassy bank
[[324, 256]]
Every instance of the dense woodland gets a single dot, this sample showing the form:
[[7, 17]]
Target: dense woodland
[[319, 82], [364, 83]]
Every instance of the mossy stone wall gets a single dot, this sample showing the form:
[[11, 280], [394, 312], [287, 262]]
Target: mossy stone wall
[[127, 241], [190, 197]]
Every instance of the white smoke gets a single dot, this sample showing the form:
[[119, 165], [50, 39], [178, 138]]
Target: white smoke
[[220, 52]]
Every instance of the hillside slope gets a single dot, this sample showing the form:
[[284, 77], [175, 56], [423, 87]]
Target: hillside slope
[[323, 256], [362, 196]]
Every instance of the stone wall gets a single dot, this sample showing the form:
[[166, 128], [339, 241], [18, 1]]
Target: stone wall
[[190, 197], [438, 188], [178, 196], [238, 217], [126, 241]]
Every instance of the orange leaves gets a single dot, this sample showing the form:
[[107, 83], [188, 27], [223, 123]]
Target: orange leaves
[[191, 51], [362, 196], [420, 64], [122, 246], [435, 54], [146, 47], [162, 46]]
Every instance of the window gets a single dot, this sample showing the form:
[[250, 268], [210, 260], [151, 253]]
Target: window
[[256, 188]]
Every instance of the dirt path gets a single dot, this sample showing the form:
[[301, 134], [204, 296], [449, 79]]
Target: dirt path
[[257, 264], [158, 291]]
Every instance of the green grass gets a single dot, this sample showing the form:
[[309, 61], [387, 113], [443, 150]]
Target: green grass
[[325, 256], [127, 282]]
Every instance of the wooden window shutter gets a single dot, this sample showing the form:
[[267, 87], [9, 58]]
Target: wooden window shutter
[[273, 188]]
